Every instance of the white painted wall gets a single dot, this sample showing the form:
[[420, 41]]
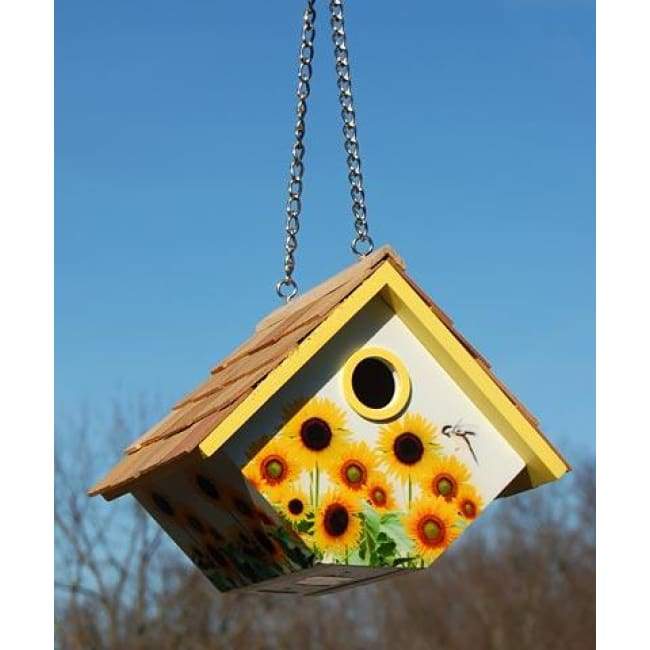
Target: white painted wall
[[434, 395]]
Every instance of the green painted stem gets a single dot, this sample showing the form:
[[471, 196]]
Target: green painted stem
[[311, 489]]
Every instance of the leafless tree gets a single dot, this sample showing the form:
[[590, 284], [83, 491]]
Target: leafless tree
[[523, 577]]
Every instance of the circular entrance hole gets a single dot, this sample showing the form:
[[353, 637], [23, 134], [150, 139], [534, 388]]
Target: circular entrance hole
[[373, 383], [376, 384]]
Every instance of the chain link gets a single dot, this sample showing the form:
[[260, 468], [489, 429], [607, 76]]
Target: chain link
[[362, 244], [287, 287]]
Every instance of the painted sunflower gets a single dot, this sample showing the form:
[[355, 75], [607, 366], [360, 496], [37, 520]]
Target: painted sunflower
[[316, 432], [207, 487], [352, 467], [444, 476], [430, 524], [405, 446], [193, 524], [293, 502], [469, 503], [241, 505], [162, 504], [269, 546], [379, 493], [337, 527], [273, 466]]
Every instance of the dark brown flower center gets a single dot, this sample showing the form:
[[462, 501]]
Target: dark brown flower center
[[274, 468], [315, 434], [162, 504], [432, 530], [295, 506], [379, 496], [408, 448], [336, 520], [195, 523], [207, 487], [469, 509], [243, 507]]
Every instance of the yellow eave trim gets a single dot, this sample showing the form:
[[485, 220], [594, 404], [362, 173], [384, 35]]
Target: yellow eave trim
[[543, 462], [339, 316]]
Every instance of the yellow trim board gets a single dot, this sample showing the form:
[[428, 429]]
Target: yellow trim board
[[279, 376], [543, 462]]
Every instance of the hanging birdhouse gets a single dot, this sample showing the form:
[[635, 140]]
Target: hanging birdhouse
[[356, 435]]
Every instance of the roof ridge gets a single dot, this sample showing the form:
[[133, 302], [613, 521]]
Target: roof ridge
[[304, 316], [331, 284]]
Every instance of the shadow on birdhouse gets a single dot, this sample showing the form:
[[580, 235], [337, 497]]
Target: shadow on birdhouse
[[354, 436]]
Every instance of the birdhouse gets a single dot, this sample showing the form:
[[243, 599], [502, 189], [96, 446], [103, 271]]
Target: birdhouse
[[356, 435]]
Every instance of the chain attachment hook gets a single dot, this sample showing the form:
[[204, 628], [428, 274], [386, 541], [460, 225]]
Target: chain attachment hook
[[362, 244], [287, 288]]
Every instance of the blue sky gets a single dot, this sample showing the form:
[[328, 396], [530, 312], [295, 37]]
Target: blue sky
[[173, 131]]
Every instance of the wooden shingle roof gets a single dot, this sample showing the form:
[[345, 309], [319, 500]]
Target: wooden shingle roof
[[195, 416]]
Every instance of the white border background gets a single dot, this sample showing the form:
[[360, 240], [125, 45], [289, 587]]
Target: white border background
[[623, 329], [26, 270], [26, 274]]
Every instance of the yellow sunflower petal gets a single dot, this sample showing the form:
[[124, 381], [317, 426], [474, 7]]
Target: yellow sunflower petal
[[272, 467], [337, 526], [444, 476], [406, 446], [315, 432], [379, 493], [431, 526], [292, 501], [251, 472], [352, 466], [469, 503]]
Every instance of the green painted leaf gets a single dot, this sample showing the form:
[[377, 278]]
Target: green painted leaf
[[304, 526], [372, 521], [392, 528], [388, 548], [363, 550]]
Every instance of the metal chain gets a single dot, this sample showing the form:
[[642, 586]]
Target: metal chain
[[287, 287], [362, 244]]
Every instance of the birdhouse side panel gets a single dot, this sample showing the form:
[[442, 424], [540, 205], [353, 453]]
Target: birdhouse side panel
[[372, 452], [228, 530]]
